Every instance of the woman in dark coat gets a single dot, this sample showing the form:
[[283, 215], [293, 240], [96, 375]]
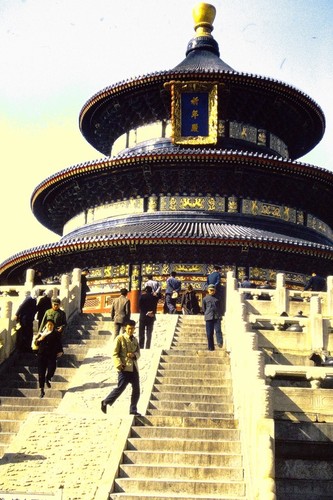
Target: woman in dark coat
[[49, 350], [189, 301]]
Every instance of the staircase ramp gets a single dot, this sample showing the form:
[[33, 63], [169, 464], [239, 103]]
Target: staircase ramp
[[187, 446]]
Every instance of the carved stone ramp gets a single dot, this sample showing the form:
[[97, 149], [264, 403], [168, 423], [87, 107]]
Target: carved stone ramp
[[19, 392], [187, 446]]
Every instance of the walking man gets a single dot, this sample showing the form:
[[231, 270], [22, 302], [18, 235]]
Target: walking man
[[57, 315], [120, 311], [173, 287], [126, 352], [211, 310], [147, 306]]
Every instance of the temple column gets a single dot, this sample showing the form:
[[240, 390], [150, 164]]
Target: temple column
[[134, 292]]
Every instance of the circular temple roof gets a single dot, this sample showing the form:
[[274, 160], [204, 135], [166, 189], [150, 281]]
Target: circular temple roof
[[267, 103]]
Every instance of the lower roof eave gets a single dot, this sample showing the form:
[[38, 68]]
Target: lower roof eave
[[137, 248]]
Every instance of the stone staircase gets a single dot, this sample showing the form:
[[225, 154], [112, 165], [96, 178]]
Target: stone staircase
[[187, 446], [19, 392]]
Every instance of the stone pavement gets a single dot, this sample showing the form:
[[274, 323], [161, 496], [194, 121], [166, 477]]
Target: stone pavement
[[73, 453]]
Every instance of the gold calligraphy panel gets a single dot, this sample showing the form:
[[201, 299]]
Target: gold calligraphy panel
[[178, 203]]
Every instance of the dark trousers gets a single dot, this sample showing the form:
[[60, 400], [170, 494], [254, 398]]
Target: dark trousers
[[24, 338], [46, 368], [125, 378], [170, 304], [211, 326], [118, 328], [146, 326]]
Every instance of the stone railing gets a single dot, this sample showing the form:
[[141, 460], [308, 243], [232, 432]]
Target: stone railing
[[252, 397], [283, 300], [68, 290]]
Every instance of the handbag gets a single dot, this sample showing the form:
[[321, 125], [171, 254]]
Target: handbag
[[34, 346]]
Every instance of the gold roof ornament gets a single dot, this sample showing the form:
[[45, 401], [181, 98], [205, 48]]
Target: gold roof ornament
[[203, 15]]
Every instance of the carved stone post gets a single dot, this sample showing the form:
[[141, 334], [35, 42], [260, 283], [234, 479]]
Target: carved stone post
[[29, 279], [329, 295], [316, 324], [76, 288], [281, 303], [64, 293]]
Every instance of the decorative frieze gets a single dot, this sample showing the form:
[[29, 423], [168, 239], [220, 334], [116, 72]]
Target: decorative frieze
[[256, 207], [180, 203]]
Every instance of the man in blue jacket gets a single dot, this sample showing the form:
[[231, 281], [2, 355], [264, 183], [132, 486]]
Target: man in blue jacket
[[173, 287], [211, 310]]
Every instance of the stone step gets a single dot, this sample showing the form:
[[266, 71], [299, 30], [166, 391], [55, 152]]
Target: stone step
[[194, 332], [6, 437], [10, 425], [185, 433], [23, 378], [33, 384], [13, 414], [187, 413], [191, 487], [212, 374], [195, 459], [190, 398], [220, 390], [202, 382], [28, 408], [191, 406], [200, 357], [187, 473], [29, 402], [167, 421], [28, 372], [196, 367], [164, 444], [31, 393], [197, 353], [200, 346], [168, 496]]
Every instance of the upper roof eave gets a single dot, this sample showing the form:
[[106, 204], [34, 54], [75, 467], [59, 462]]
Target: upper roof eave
[[108, 97]]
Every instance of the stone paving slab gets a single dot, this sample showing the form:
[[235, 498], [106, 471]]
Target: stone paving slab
[[76, 447]]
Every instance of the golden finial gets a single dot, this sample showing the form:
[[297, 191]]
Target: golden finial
[[203, 15]]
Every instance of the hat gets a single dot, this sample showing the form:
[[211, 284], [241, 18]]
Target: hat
[[55, 300], [211, 287]]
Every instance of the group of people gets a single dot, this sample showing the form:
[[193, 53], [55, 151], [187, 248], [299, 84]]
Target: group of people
[[213, 306], [126, 349], [48, 341]]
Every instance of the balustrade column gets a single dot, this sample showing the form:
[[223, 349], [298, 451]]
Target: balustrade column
[[281, 302], [316, 324], [64, 293], [29, 279], [76, 287], [329, 282]]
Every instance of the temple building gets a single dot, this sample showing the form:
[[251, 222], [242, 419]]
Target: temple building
[[200, 168]]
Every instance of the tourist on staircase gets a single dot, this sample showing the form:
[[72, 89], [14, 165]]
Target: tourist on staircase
[[126, 353], [49, 350], [212, 312]]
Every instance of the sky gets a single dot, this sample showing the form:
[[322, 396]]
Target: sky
[[56, 54]]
